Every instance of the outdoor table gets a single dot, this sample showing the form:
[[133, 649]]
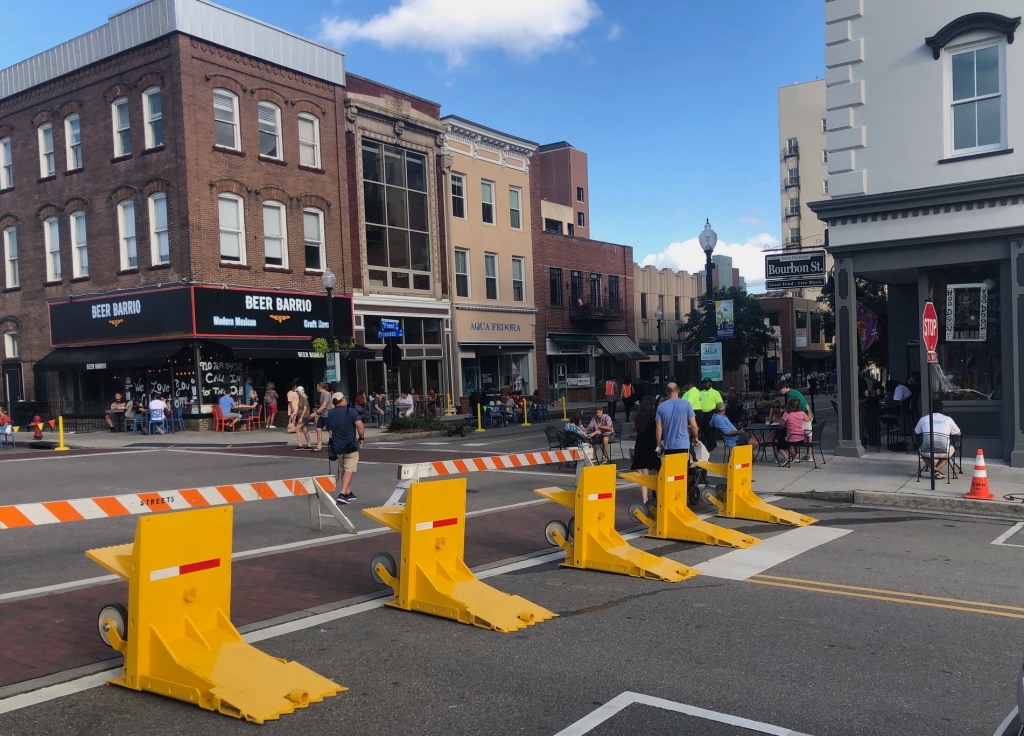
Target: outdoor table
[[118, 415], [761, 431]]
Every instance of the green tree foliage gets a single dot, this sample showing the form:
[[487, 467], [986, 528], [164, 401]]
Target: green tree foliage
[[753, 336]]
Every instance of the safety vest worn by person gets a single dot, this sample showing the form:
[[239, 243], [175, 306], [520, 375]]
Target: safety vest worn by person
[[610, 388], [709, 399], [627, 390], [693, 396]]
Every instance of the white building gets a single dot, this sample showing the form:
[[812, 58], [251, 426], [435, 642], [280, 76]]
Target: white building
[[926, 177]]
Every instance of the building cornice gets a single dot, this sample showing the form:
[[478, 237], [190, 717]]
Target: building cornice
[[506, 310], [972, 22], [479, 137]]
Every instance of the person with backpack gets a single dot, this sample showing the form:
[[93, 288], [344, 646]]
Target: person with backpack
[[611, 395], [628, 396], [347, 436]]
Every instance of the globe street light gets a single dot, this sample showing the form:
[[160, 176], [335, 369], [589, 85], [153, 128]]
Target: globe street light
[[328, 279], [708, 240], [660, 316]]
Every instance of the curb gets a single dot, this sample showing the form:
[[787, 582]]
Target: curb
[[916, 502]]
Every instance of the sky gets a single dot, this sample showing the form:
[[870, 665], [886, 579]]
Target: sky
[[674, 101]]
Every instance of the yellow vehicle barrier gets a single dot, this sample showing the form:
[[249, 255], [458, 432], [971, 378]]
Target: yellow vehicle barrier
[[738, 500], [434, 578], [667, 515], [590, 540], [176, 634]]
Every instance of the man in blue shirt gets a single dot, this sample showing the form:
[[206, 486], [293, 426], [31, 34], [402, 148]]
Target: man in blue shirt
[[730, 435], [227, 408], [675, 423]]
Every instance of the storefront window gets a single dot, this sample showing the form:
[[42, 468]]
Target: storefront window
[[970, 333], [501, 370]]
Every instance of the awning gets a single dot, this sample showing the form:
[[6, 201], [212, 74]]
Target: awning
[[815, 354], [255, 349], [496, 345], [565, 339], [102, 357], [621, 347]]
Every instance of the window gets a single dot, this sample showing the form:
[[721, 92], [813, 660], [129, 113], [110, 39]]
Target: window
[[126, 235], [11, 258], [225, 119], [581, 219], [491, 275], [159, 242], [518, 283], [153, 115], [576, 287], [47, 163], [824, 125], [792, 177], [678, 308], [791, 146], [824, 186], [73, 141], [270, 130], [977, 108], [11, 344], [309, 141], [794, 206], [51, 239], [643, 306], [595, 290], [824, 155], [515, 195], [397, 220], [275, 235], [555, 286], [614, 301], [6, 164], [459, 196], [122, 129], [461, 272], [232, 228], [794, 236], [313, 238], [552, 226], [487, 201], [570, 232], [579, 194], [79, 246]]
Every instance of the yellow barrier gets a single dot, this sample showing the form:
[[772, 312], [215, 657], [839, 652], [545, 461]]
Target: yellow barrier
[[593, 543], [60, 424], [479, 418], [669, 517], [176, 634], [434, 578], [739, 500]]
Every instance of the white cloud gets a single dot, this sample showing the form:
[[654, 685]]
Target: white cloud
[[614, 32], [457, 27], [748, 257]]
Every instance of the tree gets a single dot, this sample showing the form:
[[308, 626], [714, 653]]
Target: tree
[[752, 336], [872, 295]]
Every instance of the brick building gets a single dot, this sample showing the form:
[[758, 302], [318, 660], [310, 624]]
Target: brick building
[[584, 298], [176, 184]]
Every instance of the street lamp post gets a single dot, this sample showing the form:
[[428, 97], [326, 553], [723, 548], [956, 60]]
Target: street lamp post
[[660, 316], [708, 240], [332, 374]]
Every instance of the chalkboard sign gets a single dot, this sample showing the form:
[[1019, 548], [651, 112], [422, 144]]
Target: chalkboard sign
[[217, 375]]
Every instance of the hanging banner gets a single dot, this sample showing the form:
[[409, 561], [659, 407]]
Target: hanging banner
[[711, 361], [966, 312], [725, 319], [869, 330]]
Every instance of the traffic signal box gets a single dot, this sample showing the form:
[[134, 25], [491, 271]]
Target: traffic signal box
[[669, 517], [593, 543], [740, 501], [178, 639], [433, 577]]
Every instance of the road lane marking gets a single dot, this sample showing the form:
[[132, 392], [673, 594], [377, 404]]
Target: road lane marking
[[622, 701], [900, 593], [62, 456], [1001, 539], [744, 563]]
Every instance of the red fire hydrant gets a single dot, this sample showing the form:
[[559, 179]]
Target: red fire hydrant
[[37, 427]]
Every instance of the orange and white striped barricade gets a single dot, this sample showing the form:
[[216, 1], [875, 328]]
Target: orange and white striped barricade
[[415, 472], [320, 499]]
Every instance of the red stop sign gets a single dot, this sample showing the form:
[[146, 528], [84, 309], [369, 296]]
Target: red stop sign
[[929, 327]]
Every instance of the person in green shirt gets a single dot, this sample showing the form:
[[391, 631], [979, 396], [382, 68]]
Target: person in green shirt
[[709, 399], [692, 394]]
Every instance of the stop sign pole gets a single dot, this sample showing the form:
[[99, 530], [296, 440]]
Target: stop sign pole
[[930, 338]]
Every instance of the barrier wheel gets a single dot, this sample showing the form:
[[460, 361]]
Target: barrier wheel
[[572, 527], [635, 510], [118, 614], [387, 561], [652, 509], [555, 526]]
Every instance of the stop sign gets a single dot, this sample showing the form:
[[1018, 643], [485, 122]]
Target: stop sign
[[929, 327]]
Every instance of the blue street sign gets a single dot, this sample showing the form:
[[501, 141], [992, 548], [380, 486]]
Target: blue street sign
[[389, 324], [383, 334]]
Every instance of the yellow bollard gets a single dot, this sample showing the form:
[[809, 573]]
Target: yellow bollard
[[565, 416], [60, 430], [526, 412], [450, 411], [480, 418]]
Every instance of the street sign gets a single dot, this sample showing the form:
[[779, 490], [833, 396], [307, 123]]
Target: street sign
[[711, 361], [930, 331], [385, 334], [390, 324], [805, 269]]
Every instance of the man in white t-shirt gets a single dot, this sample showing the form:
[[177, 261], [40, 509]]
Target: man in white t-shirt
[[945, 430], [157, 410]]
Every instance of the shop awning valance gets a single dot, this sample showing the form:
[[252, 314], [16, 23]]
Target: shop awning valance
[[573, 339], [815, 354], [102, 357], [621, 347], [496, 345], [254, 349]]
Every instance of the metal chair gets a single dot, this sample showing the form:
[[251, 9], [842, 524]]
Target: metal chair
[[554, 441], [943, 443], [179, 417], [157, 417], [616, 439], [253, 421], [139, 420]]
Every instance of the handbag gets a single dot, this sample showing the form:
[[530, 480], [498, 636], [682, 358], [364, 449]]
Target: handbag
[[700, 452], [291, 425]]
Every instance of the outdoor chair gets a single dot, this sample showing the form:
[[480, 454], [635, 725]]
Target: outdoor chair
[[254, 421], [7, 436], [220, 422], [554, 441], [139, 420], [179, 417], [158, 418], [616, 439], [942, 444]]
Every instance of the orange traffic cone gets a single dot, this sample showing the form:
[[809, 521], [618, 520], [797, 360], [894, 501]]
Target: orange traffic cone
[[979, 483]]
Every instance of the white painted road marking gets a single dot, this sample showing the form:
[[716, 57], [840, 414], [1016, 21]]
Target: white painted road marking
[[1001, 539], [744, 563], [588, 723]]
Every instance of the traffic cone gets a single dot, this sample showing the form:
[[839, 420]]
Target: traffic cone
[[979, 483]]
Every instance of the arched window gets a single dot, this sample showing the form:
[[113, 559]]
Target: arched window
[[269, 116], [232, 228], [225, 119]]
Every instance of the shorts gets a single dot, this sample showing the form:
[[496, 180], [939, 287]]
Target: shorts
[[308, 419], [347, 463], [676, 452], [321, 422], [943, 452], [232, 415]]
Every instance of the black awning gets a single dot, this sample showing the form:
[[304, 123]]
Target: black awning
[[254, 349], [102, 357], [361, 352], [815, 354]]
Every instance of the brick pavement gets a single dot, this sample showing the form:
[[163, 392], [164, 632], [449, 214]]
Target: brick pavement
[[49, 634]]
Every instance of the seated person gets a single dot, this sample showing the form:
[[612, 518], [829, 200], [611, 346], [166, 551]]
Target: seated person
[[362, 405], [791, 432], [574, 432], [731, 436], [601, 430], [496, 409], [248, 409], [5, 418], [406, 405], [377, 403], [762, 405], [734, 410], [117, 406], [158, 410], [945, 431], [227, 408], [514, 408]]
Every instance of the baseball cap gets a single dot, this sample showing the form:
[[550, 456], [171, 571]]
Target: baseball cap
[[300, 389], [338, 396]]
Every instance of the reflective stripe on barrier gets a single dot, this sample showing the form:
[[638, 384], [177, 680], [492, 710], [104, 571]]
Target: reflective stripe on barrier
[[102, 507]]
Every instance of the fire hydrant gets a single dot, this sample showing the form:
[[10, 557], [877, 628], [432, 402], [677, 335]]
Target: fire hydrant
[[37, 427]]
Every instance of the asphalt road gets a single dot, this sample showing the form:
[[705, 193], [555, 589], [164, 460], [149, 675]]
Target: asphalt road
[[900, 624]]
